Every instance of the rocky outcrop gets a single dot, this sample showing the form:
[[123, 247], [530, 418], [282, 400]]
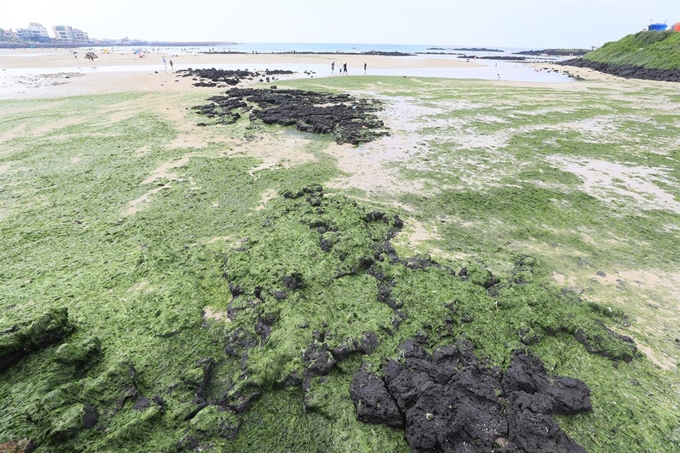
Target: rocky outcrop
[[627, 71], [494, 57], [449, 401], [212, 77], [348, 119], [554, 52], [20, 341]]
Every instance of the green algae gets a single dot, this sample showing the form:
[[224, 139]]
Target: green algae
[[136, 287], [18, 342]]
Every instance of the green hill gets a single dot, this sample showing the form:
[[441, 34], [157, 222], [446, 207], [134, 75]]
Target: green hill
[[648, 49]]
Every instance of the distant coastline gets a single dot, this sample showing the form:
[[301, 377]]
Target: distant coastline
[[25, 45], [555, 52], [466, 49], [337, 52]]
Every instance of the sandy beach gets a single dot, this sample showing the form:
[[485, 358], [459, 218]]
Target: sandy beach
[[63, 58], [50, 73], [39, 73]]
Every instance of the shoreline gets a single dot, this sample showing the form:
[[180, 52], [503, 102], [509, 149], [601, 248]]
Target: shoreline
[[34, 73], [63, 59]]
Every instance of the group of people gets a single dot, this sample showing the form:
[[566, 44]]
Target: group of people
[[165, 63], [343, 68]]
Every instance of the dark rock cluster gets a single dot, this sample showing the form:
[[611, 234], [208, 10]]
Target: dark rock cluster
[[349, 119], [448, 401], [558, 52], [627, 71], [477, 49], [494, 57], [222, 78]]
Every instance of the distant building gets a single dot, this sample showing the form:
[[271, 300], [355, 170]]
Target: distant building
[[34, 33], [62, 33], [70, 35], [80, 37], [7, 35], [38, 29]]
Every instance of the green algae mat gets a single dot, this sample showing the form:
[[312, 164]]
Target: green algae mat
[[166, 287]]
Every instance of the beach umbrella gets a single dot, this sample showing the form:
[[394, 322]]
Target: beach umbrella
[[91, 55], [676, 27]]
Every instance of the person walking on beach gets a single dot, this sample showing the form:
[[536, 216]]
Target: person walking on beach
[[365, 66], [332, 67], [344, 68], [172, 66], [165, 63]]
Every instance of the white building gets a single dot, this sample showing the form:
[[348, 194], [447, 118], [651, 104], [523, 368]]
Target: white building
[[63, 33], [34, 33], [7, 35], [38, 29], [68, 34], [80, 37]]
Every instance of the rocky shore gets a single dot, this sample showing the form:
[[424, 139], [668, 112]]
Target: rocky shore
[[348, 119], [627, 71], [554, 52]]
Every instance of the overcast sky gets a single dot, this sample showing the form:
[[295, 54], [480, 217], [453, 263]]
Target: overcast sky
[[502, 23]]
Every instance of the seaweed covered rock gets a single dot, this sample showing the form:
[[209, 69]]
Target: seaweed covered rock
[[318, 360], [450, 402], [72, 420], [369, 343], [114, 386], [349, 119], [212, 77], [21, 446], [348, 292], [46, 330], [208, 423], [78, 353], [607, 343], [197, 377]]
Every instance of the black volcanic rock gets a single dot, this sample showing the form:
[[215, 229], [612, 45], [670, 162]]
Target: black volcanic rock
[[627, 71], [348, 119], [374, 404], [450, 402], [212, 77]]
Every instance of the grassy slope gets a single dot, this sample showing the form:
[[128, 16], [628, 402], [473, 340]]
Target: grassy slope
[[139, 283], [649, 49]]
